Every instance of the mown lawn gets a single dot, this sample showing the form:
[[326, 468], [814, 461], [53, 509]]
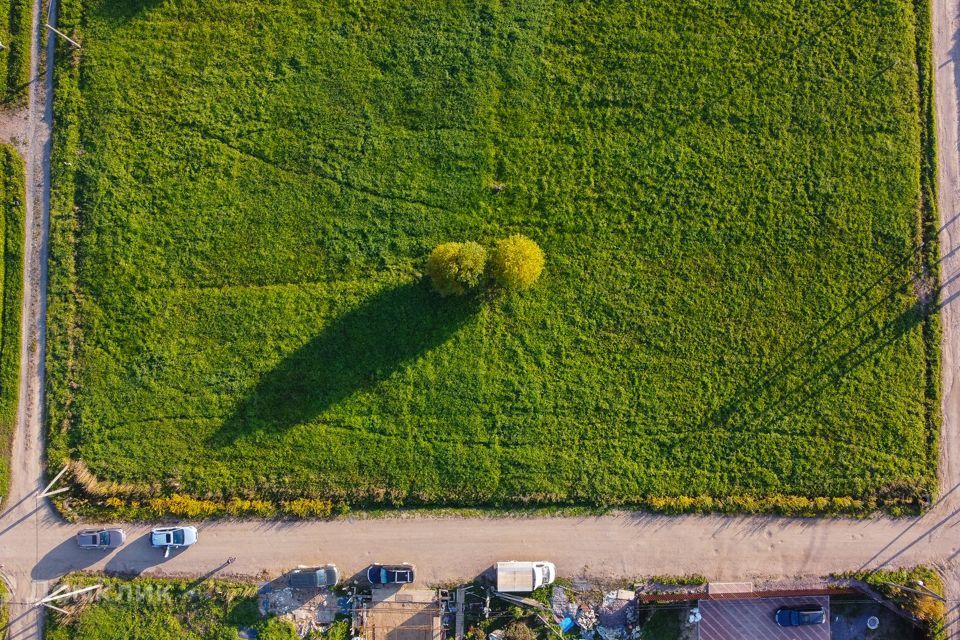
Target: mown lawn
[[165, 610], [729, 194]]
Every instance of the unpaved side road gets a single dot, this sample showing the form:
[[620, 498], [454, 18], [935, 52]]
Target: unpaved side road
[[25, 509], [946, 64], [37, 548]]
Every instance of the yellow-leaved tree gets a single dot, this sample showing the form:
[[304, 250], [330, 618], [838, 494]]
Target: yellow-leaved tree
[[517, 262], [456, 267]]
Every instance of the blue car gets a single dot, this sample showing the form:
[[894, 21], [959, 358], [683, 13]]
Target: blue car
[[800, 616], [381, 574]]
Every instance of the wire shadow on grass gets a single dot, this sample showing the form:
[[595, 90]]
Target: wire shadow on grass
[[354, 352]]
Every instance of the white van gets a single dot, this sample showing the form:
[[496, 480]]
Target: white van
[[524, 577]]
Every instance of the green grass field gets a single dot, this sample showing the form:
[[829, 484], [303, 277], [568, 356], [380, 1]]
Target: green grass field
[[11, 279], [15, 57], [731, 197], [166, 610]]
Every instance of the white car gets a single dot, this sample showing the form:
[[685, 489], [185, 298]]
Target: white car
[[172, 538], [524, 577]]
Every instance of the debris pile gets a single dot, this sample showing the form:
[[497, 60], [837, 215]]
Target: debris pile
[[618, 608], [612, 617], [561, 605], [617, 633], [278, 601], [586, 618], [308, 609]]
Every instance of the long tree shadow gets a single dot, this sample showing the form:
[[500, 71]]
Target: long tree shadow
[[354, 352]]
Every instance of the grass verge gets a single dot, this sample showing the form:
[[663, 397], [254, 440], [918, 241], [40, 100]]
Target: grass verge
[[12, 203], [929, 225], [4, 612], [164, 609], [903, 587]]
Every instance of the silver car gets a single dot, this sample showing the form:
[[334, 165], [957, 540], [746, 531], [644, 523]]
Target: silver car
[[101, 538], [167, 538]]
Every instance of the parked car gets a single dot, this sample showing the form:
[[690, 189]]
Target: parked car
[[524, 577], [314, 577], [172, 538], [391, 574], [101, 538], [800, 616]]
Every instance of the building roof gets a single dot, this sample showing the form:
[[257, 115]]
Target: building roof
[[753, 619], [403, 613]]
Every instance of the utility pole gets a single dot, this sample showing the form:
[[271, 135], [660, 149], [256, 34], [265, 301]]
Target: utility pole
[[58, 595], [46, 493], [64, 36], [930, 592], [926, 592]]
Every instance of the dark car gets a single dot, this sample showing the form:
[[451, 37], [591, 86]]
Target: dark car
[[313, 577], [391, 573], [800, 616]]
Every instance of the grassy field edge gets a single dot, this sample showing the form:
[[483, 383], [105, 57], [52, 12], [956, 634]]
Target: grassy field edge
[[929, 222], [13, 234], [102, 500], [60, 294], [4, 614], [16, 38]]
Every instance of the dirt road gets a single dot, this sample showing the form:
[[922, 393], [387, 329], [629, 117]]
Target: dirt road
[[36, 547], [25, 514], [946, 64]]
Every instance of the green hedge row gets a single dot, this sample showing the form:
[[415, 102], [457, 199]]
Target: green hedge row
[[930, 218], [91, 507], [12, 203]]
